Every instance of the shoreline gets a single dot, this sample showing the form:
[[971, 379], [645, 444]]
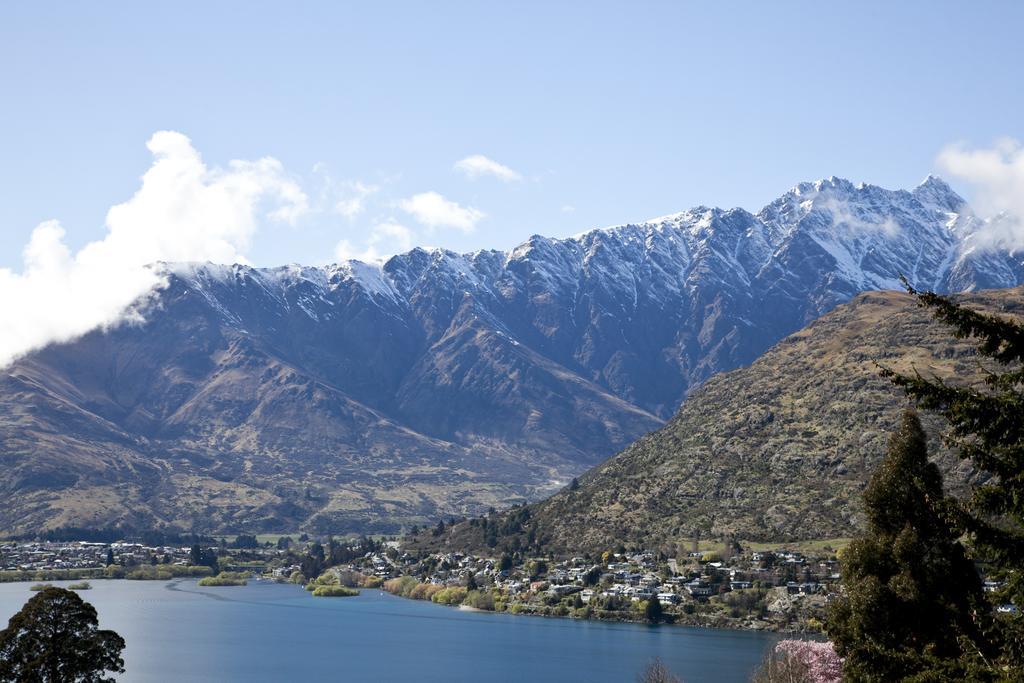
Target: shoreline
[[674, 621]]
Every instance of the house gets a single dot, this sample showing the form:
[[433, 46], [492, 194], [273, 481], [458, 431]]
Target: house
[[699, 589]]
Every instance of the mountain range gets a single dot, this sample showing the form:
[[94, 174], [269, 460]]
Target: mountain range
[[366, 398]]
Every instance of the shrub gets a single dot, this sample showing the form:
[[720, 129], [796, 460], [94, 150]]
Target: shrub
[[453, 595], [80, 586], [403, 586], [113, 571], [425, 591], [333, 591], [225, 579], [480, 600], [327, 579]]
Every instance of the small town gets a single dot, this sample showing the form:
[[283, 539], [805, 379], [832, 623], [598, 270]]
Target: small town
[[55, 560], [764, 590]]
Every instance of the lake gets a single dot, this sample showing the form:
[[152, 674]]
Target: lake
[[278, 632]]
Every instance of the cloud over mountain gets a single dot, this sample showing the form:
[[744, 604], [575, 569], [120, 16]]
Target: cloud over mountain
[[183, 211], [997, 173]]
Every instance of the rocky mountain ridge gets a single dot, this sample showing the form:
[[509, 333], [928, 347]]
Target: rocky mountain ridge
[[356, 397]]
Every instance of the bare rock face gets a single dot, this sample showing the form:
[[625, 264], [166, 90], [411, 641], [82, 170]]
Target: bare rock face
[[359, 398]]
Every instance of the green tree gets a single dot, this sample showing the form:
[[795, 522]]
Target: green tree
[[55, 639], [199, 556], [592, 576], [910, 593], [652, 611], [986, 424], [246, 541], [110, 557]]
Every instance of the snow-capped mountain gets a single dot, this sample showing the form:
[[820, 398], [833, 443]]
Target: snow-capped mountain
[[362, 397]]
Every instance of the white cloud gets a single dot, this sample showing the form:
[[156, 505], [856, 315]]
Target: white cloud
[[385, 240], [478, 165], [353, 201], [997, 174], [568, 208], [844, 218], [434, 211], [184, 211]]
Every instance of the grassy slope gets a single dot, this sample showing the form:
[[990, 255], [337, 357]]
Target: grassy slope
[[778, 451]]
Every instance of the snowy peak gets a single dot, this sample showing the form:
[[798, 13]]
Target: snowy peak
[[935, 193], [662, 303]]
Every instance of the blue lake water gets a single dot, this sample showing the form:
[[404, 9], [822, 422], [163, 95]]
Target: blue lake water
[[178, 631]]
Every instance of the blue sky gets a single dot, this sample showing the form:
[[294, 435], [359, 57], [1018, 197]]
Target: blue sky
[[602, 112]]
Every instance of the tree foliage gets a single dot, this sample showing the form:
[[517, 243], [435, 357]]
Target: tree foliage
[[912, 603], [245, 541], [55, 639], [657, 672], [200, 556], [652, 611], [800, 661], [986, 425]]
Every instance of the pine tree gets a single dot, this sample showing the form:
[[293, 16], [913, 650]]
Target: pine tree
[[986, 425], [910, 593]]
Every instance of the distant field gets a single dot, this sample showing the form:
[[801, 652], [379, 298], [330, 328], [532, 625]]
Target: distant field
[[274, 538], [806, 547]]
